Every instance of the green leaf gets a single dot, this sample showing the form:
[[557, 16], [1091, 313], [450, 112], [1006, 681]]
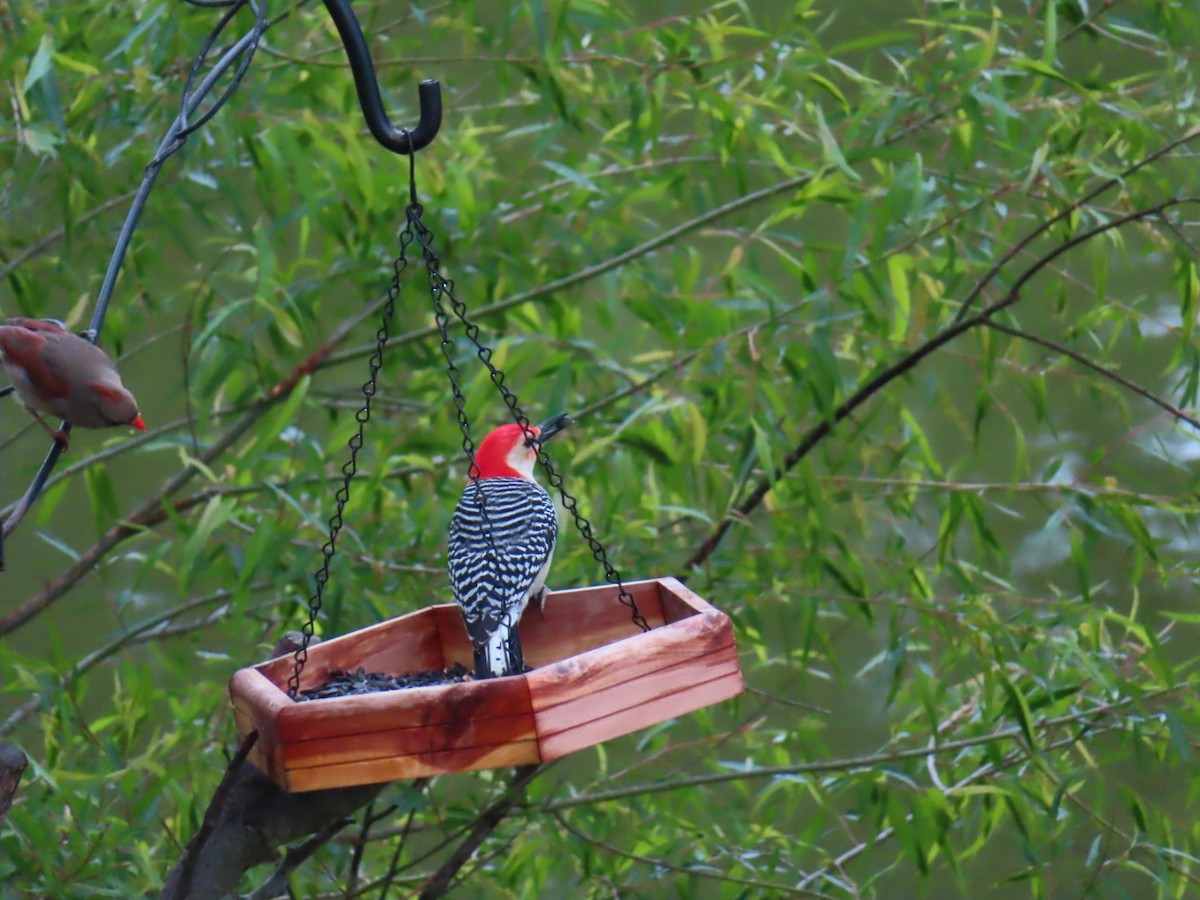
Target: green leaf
[[572, 176], [103, 497], [1018, 708], [1050, 35], [829, 145], [898, 267], [39, 66]]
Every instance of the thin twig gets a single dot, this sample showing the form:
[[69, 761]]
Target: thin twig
[[48, 240], [774, 889], [1159, 855], [1065, 213], [276, 885], [1006, 487], [901, 367], [485, 823], [1104, 371], [848, 764], [1019, 755], [359, 845]]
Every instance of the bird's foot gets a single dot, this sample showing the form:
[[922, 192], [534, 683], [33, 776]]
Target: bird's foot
[[60, 436]]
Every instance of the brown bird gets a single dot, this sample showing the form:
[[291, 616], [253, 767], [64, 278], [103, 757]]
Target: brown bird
[[61, 374]]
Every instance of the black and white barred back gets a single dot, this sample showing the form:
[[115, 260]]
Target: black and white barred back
[[493, 586]]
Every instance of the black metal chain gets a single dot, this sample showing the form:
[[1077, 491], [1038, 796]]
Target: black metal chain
[[349, 469], [442, 318], [611, 575], [444, 287], [416, 231]]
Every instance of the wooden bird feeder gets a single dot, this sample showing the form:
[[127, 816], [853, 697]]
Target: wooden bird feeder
[[595, 676]]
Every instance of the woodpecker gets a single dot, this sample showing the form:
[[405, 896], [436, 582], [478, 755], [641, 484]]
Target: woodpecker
[[501, 541]]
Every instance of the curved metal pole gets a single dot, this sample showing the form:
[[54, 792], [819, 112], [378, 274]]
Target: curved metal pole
[[402, 141], [236, 57]]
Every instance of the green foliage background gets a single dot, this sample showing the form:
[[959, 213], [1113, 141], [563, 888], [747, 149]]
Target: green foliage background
[[704, 227]]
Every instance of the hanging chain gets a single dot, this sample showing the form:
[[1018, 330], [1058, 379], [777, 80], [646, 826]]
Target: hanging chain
[[415, 230], [349, 469], [440, 287], [611, 575], [413, 216]]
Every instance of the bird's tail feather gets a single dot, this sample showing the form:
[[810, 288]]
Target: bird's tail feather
[[501, 655]]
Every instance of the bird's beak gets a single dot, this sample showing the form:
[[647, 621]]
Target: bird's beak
[[551, 427], [138, 422]]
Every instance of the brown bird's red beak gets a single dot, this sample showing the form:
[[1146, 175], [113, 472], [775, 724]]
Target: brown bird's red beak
[[138, 422]]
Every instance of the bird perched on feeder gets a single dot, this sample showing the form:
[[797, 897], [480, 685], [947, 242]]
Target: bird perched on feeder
[[62, 374], [501, 541]]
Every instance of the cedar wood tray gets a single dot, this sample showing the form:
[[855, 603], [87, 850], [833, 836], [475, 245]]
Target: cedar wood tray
[[595, 676]]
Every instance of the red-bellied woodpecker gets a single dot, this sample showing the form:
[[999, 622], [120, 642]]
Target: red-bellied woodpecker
[[501, 541]]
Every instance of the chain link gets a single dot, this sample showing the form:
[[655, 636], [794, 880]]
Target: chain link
[[349, 469], [415, 231], [444, 287], [436, 286]]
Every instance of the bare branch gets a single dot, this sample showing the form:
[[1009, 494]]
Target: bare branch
[[485, 823], [901, 367], [277, 885], [216, 806], [849, 764], [774, 888], [1103, 371], [1064, 214]]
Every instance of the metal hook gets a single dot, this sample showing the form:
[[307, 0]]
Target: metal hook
[[402, 141]]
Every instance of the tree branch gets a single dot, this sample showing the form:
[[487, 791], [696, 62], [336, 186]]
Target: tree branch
[[146, 630], [773, 889], [1103, 371], [277, 885], [1065, 213], [485, 823], [1016, 756], [145, 513], [256, 818], [153, 509], [1085, 717], [216, 806], [881, 380]]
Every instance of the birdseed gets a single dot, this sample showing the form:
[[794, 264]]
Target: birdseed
[[345, 684]]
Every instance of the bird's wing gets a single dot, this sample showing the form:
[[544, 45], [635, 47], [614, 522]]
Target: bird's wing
[[45, 326], [24, 348], [494, 559]]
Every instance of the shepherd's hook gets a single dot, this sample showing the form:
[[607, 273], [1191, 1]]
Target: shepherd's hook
[[402, 141]]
